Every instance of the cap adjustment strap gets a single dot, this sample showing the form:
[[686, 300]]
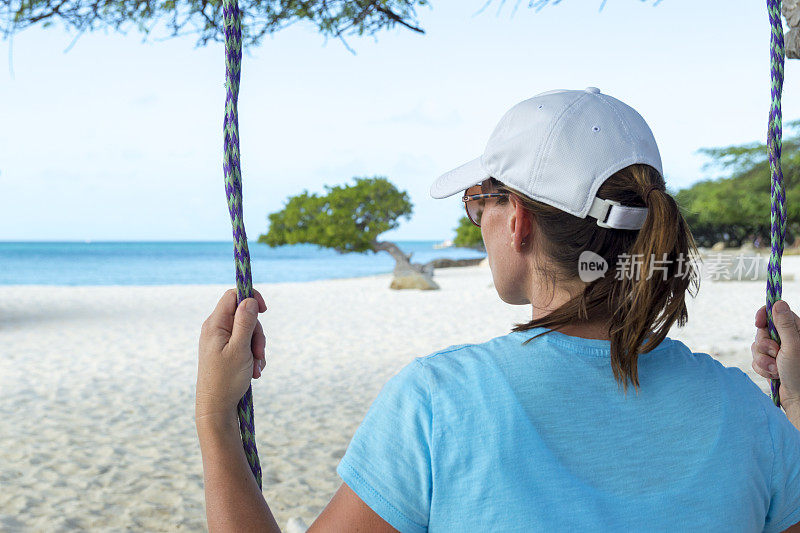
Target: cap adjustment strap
[[612, 214]]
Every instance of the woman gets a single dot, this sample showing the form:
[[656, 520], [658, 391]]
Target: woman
[[537, 430]]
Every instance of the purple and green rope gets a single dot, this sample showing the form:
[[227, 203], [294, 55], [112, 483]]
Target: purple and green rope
[[777, 190], [232, 19]]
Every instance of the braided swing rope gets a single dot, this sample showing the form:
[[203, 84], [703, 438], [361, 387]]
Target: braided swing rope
[[232, 19], [777, 190]]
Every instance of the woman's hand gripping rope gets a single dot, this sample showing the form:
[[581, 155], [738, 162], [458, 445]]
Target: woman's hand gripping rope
[[231, 353]]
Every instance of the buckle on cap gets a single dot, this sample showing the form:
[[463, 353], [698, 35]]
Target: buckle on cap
[[600, 210]]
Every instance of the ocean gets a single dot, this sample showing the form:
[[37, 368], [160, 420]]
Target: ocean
[[181, 263]]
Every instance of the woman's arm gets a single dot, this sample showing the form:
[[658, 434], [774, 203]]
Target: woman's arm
[[233, 499], [231, 352], [232, 346], [793, 414]]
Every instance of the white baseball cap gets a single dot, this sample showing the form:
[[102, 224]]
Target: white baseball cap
[[558, 148]]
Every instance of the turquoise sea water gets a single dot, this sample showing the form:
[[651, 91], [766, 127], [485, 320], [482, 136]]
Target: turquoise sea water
[[168, 263]]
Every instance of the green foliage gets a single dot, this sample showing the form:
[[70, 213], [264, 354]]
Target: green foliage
[[348, 218], [332, 18], [468, 235], [736, 208]]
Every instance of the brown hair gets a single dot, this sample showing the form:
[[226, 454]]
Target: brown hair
[[649, 270]]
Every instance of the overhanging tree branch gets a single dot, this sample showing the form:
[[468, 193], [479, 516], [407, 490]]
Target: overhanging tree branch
[[396, 18], [333, 18]]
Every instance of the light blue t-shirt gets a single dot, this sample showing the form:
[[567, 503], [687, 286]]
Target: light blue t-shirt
[[504, 437]]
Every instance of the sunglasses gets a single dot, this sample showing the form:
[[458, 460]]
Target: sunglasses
[[474, 204]]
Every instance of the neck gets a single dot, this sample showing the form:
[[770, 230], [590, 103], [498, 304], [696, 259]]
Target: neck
[[586, 331], [543, 303]]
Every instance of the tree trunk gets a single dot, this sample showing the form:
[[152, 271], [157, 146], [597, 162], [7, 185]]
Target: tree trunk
[[398, 255], [449, 263], [407, 275], [791, 10]]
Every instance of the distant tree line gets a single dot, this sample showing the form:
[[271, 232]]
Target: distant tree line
[[736, 209]]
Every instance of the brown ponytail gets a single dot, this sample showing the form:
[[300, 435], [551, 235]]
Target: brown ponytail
[[642, 294]]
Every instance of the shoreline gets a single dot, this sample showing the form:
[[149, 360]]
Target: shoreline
[[387, 275]]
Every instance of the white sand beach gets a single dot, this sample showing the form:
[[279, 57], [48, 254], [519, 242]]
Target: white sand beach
[[97, 386]]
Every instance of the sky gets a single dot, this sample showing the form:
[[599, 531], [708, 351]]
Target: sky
[[116, 138]]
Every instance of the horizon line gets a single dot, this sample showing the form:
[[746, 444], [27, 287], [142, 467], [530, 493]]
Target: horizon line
[[92, 241]]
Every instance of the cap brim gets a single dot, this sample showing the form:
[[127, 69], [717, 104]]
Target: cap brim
[[459, 179]]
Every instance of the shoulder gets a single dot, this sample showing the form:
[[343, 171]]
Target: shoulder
[[431, 375], [466, 350], [729, 376], [460, 367], [742, 396], [457, 361], [440, 354]]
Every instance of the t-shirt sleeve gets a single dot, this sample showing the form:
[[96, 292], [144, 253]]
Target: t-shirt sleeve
[[784, 507], [388, 461]]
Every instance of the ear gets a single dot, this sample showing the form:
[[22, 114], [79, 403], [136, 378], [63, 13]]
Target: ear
[[520, 224]]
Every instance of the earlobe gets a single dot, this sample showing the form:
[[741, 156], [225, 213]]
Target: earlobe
[[520, 218]]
